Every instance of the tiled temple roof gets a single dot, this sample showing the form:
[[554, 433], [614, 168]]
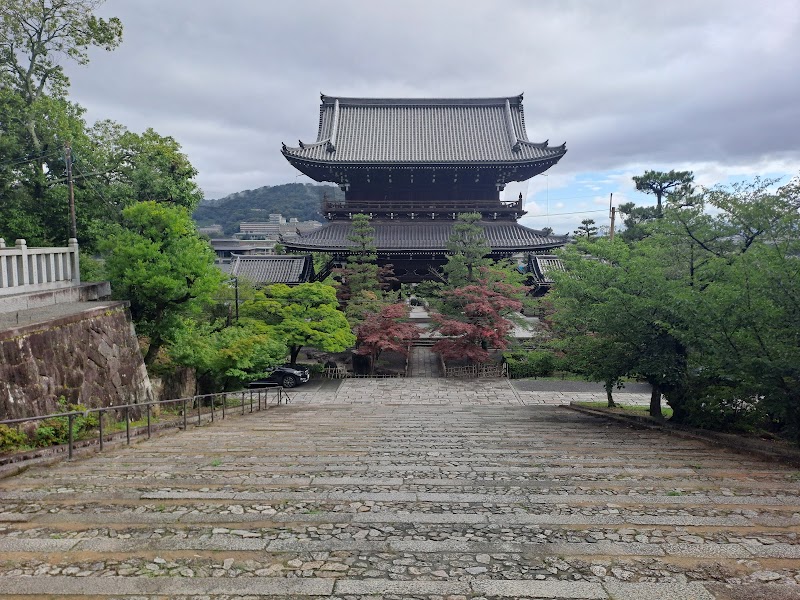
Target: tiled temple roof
[[263, 270], [415, 236], [542, 265], [423, 131]]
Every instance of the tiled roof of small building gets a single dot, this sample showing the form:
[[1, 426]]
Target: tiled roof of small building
[[417, 130], [425, 236], [274, 269], [544, 264]]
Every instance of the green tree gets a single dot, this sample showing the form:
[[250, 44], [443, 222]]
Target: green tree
[[304, 315], [659, 183], [740, 264], [227, 358], [636, 220], [361, 287], [467, 250], [616, 317], [112, 167], [157, 262], [586, 229], [35, 37]]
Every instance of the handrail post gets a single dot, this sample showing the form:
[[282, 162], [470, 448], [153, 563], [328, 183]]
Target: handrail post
[[224, 403], [128, 424], [213, 401], [184, 414], [251, 401], [100, 423], [148, 422], [242, 403], [70, 419], [199, 408]]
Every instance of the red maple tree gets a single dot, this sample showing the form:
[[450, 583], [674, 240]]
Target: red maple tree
[[475, 320], [385, 330]]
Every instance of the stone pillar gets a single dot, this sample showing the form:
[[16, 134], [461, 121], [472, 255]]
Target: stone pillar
[[21, 275], [75, 259], [3, 267]]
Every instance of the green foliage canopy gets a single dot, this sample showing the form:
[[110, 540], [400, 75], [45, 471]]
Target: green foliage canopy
[[304, 315], [156, 261]]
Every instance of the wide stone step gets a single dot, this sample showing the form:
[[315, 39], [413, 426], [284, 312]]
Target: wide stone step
[[267, 587], [402, 502]]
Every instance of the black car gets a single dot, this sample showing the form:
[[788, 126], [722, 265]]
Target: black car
[[288, 376]]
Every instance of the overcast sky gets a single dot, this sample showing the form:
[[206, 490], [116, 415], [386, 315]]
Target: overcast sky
[[710, 86]]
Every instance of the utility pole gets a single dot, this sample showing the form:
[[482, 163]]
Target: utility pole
[[73, 226], [613, 214]]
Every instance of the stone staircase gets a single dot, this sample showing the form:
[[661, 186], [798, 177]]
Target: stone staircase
[[404, 501]]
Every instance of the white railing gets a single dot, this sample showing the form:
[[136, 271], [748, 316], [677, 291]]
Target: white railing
[[24, 269]]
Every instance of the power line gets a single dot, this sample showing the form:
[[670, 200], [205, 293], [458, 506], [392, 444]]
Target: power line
[[89, 182], [30, 159], [577, 212]]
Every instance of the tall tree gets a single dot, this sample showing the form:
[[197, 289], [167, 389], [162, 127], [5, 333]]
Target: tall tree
[[34, 38], [617, 318], [586, 229], [362, 280], [467, 250], [659, 183], [635, 220], [157, 262]]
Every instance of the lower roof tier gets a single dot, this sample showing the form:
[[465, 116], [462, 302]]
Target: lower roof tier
[[423, 236]]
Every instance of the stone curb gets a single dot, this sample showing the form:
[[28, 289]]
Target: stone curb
[[738, 444], [279, 586]]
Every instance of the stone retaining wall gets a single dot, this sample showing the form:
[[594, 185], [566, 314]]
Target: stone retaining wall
[[91, 357]]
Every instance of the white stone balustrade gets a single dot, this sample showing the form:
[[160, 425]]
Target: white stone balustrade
[[24, 269]]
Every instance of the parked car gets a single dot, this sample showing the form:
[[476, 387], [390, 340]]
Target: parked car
[[288, 376]]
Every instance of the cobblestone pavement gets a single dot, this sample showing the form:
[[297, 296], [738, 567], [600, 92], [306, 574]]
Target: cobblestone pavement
[[435, 502]]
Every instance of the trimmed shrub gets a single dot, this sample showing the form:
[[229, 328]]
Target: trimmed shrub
[[534, 363], [11, 439]]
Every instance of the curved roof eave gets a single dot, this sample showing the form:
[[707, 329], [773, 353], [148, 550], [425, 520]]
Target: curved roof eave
[[562, 150]]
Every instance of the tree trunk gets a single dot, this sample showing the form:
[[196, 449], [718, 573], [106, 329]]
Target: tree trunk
[[655, 403], [611, 403], [294, 351], [152, 351]]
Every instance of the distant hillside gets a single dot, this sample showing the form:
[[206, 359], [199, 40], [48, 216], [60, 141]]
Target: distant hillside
[[299, 200]]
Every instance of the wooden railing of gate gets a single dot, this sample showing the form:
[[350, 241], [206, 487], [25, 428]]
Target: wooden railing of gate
[[479, 370]]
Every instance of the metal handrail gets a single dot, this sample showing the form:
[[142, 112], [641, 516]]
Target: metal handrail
[[283, 397]]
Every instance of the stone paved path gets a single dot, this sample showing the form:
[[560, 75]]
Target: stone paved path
[[404, 501], [433, 390]]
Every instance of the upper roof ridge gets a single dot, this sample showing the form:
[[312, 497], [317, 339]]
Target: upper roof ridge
[[489, 101]]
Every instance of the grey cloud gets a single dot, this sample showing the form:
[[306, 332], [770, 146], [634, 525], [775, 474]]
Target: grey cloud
[[623, 83]]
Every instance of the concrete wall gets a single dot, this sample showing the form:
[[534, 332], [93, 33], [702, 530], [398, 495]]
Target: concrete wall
[[91, 357]]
